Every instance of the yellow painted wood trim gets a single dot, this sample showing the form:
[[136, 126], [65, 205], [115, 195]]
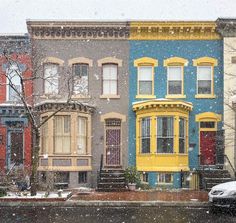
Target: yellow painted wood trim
[[204, 61], [199, 96], [175, 61], [145, 96], [113, 115], [162, 169], [175, 96], [53, 60], [107, 60], [80, 60], [208, 116], [146, 61]]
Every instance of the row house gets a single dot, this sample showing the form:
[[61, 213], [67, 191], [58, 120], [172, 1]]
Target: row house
[[227, 29], [15, 130], [175, 100], [83, 74]]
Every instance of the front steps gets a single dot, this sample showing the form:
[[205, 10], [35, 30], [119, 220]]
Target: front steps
[[211, 177], [111, 180]]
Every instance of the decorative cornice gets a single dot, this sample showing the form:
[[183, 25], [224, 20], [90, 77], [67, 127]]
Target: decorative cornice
[[157, 103], [173, 31], [226, 27], [78, 30]]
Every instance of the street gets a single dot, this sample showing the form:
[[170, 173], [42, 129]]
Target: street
[[113, 214]]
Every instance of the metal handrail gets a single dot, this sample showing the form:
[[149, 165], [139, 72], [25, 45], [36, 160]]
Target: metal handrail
[[101, 162], [231, 169]]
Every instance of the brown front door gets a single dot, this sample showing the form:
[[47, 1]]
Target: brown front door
[[208, 147], [113, 141]]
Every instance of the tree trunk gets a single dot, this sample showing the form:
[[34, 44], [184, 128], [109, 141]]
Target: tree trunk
[[35, 162]]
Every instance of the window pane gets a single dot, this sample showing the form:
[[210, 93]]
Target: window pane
[[207, 124], [175, 87], [82, 135], [51, 78], [174, 73], [204, 87], [110, 79], [203, 73], [145, 135], [44, 148], [145, 87], [145, 73], [182, 135], [80, 83]]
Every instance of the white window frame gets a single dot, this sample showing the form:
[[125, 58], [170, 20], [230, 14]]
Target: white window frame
[[168, 80], [211, 67], [109, 80], [152, 79], [47, 90]]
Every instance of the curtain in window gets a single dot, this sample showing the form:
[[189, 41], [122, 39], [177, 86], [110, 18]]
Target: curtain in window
[[174, 80], [145, 135], [145, 80], [109, 79], [80, 83], [82, 135], [62, 134], [165, 136], [44, 137], [51, 78], [204, 78]]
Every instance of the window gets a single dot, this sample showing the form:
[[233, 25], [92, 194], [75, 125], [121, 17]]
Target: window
[[109, 79], [207, 124], [44, 137], [80, 80], [204, 79], [165, 178], [182, 135], [82, 177], [62, 134], [61, 177], [144, 177], [51, 78], [145, 135], [82, 135], [14, 82], [165, 137], [145, 80], [174, 80]]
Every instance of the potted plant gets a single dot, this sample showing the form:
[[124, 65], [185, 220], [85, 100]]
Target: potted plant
[[132, 177]]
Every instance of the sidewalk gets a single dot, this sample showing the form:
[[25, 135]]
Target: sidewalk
[[166, 196]]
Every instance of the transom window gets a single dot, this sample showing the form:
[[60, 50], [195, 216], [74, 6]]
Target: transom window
[[51, 78], [14, 82], [109, 79], [204, 79], [207, 124], [174, 79], [62, 133], [145, 135], [165, 136], [80, 74], [145, 80]]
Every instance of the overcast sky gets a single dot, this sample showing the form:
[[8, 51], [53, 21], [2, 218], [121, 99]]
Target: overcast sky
[[13, 13]]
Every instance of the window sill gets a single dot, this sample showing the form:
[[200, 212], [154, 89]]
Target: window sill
[[110, 96], [175, 96], [74, 96], [205, 96], [145, 96], [50, 96]]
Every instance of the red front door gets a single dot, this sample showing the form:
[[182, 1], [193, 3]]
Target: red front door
[[208, 148]]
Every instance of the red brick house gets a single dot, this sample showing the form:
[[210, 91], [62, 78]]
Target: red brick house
[[15, 130]]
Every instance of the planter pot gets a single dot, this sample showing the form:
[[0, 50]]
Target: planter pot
[[132, 186]]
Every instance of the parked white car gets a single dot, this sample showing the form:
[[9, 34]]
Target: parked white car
[[223, 195]]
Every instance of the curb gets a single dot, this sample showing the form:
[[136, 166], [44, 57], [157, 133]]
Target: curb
[[106, 204]]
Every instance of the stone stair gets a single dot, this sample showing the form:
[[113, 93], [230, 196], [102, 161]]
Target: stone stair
[[111, 180], [211, 177]]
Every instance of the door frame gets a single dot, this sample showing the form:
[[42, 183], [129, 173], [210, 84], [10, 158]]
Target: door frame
[[8, 145]]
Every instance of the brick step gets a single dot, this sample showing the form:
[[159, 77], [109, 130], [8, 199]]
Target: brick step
[[111, 185], [217, 180], [112, 179], [111, 189]]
